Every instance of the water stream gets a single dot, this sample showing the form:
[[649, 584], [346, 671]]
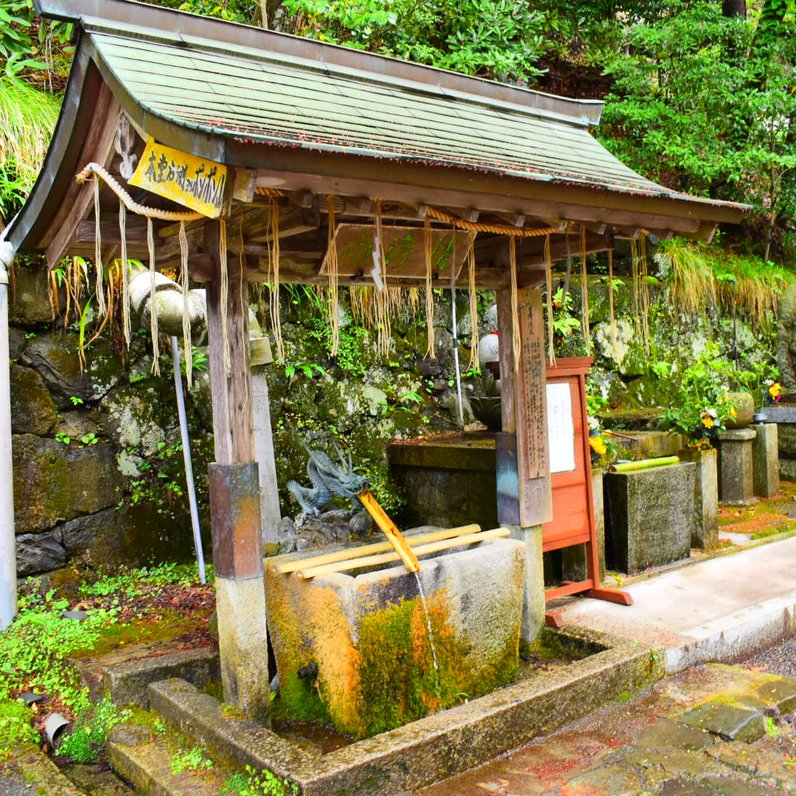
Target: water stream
[[430, 633]]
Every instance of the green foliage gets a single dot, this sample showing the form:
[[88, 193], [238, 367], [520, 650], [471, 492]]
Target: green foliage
[[192, 760], [15, 727], [259, 783], [85, 741], [132, 582]]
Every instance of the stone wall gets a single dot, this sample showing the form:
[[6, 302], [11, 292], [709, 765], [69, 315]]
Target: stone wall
[[98, 470]]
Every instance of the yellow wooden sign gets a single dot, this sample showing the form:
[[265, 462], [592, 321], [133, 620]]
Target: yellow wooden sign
[[189, 180]]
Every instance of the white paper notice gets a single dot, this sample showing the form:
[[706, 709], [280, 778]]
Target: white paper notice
[[560, 428]]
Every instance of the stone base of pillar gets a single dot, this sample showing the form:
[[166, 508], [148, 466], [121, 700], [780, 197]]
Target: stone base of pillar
[[533, 607], [243, 646]]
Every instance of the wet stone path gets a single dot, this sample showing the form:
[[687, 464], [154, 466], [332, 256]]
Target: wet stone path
[[713, 731]]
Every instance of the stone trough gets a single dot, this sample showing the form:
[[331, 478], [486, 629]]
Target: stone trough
[[374, 651]]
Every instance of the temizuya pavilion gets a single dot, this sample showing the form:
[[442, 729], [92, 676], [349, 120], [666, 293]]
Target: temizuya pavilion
[[264, 137]]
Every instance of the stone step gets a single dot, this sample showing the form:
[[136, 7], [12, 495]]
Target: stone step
[[233, 741], [141, 759]]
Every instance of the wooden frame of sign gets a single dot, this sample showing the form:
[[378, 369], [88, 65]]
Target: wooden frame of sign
[[573, 519]]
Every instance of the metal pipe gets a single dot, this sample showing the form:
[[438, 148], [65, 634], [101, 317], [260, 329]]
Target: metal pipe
[[8, 550], [186, 454]]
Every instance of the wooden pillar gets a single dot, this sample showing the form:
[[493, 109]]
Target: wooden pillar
[[235, 496], [523, 472]]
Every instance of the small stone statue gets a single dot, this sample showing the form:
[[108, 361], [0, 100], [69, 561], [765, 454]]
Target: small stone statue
[[786, 336], [328, 481]]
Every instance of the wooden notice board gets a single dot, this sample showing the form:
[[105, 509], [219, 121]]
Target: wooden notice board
[[573, 519]]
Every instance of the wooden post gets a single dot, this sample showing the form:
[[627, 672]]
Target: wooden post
[[235, 495], [523, 477]]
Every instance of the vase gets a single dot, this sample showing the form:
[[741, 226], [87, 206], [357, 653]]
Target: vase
[[744, 405]]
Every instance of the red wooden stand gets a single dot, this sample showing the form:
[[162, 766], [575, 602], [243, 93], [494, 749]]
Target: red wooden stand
[[573, 520]]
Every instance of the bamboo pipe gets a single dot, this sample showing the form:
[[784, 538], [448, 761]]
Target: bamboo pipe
[[643, 464], [390, 530], [371, 549], [387, 558]]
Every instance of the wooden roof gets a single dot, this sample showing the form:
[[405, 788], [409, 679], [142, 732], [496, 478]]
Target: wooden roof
[[309, 120]]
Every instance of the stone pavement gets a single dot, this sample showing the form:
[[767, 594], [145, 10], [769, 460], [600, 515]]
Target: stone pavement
[[715, 730], [721, 608]]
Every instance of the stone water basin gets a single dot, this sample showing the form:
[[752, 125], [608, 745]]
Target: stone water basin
[[366, 653]]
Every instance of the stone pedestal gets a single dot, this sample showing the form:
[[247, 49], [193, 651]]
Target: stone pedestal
[[765, 455], [649, 516], [736, 480], [705, 533], [533, 599]]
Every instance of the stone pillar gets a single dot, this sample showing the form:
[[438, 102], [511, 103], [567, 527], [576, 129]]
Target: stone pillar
[[765, 456], [533, 605], [705, 532], [736, 480]]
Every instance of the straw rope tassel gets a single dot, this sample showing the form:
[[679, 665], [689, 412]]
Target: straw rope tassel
[[515, 305], [125, 275], [381, 297], [224, 294], [427, 248], [473, 364], [276, 318], [101, 305], [611, 310], [186, 315], [153, 316], [548, 275], [584, 290], [332, 271]]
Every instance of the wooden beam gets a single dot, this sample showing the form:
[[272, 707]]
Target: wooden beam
[[97, 147]]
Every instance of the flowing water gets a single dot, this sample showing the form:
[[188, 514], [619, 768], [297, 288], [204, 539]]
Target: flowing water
[[430, 633]]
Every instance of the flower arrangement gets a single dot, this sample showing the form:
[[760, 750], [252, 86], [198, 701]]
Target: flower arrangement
[[773, 391]]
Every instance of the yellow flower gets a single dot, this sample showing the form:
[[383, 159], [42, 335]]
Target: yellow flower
[[775, 389], [707, 421], [598, 445]]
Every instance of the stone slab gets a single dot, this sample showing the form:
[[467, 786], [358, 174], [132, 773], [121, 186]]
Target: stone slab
[[781, 413], [765, 460], [730, 722], [649, 516]]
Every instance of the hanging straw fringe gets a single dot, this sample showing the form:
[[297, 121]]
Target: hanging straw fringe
[[125, 275], [153, 316], [383, 331], [548, 274], [473, 364], [186, 315], [427, 248], [224, 294], [516, 343], [332, 270], [584, 290], [276, 318], [611, 311], [101, 305]]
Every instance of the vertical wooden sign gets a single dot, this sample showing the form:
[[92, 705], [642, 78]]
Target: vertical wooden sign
[[523, 392]]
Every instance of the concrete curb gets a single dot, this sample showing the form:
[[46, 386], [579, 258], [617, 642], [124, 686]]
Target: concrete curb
[[44, 775], [730, 638]]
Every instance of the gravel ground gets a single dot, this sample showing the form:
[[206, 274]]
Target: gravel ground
[[12, 784], [777, 660]]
